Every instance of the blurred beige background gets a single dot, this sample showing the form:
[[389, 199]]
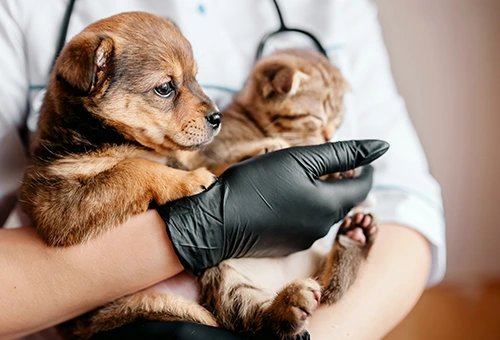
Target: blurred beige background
[[445, 57]]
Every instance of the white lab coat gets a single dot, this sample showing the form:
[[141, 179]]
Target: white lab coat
[[224, 35]]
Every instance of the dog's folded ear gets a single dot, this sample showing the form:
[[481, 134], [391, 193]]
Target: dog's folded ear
[[86, 62], [283, 79]]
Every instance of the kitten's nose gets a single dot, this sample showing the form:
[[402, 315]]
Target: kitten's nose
[[213, 119]]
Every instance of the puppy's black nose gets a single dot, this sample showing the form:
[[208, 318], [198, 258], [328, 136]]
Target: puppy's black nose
[[213, 119]]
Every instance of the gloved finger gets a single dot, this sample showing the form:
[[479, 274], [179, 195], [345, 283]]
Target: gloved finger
[[349, 191], [324, 159]]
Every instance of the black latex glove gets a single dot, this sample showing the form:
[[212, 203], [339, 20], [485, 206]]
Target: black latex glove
[[178, 330], [270, 205]]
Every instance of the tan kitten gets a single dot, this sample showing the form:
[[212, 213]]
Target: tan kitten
[[292, 97]]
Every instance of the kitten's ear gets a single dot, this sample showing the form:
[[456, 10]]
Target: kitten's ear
[[341, 84], [85, 62], [345, 86], [283, 79]]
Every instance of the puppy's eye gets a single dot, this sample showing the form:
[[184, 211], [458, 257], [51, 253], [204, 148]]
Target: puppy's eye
[[165, 90]]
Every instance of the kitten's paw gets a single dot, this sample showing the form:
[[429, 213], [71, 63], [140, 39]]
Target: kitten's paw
[[274, 145], [359, 230], [289, 312], [347, 174]]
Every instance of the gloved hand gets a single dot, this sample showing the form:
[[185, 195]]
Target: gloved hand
[[270, 205], [178, 330]]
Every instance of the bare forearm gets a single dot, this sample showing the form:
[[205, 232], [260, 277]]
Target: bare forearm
[[388, 287], [42, 286]]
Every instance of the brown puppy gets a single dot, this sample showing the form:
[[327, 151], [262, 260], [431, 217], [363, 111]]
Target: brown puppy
[[122, 95], [121, 99], [292, 97]]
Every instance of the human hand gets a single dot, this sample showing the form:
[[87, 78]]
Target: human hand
[[270, 205]]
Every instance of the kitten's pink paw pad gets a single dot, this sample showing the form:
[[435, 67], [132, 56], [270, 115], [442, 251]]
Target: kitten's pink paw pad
[[360, 228]]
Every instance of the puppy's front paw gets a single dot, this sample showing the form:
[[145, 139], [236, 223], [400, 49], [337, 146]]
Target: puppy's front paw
[[199, 180], [288, 314], [182, 184], [359, 230]]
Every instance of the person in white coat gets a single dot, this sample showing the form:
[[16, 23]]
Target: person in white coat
[[409, 253]]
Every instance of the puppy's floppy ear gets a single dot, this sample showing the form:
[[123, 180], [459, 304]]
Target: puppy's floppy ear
[[282, 79], [86, 62]]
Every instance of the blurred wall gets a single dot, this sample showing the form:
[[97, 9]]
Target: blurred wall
[[445, 57]]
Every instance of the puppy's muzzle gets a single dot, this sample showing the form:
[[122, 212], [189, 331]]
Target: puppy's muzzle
[[213, 120]]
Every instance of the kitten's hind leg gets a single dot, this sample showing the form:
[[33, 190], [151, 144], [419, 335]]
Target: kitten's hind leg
[[351, 247], [240, 305]]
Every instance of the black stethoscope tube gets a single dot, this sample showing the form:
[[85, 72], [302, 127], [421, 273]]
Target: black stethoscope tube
[[283, 28], [64, 30]]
